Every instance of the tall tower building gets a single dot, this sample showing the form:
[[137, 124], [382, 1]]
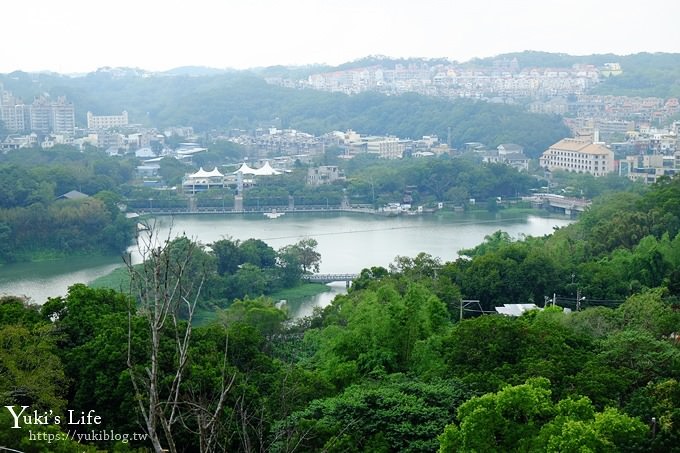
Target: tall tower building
[[63, 117], [41, 113]]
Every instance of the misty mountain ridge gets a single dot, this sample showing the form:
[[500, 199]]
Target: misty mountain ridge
[[525, 59]]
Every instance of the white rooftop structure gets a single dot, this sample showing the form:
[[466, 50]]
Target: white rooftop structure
[[206, 174], [245, 170], [266, 170], [515, 309], [203, 180], [190, 151]]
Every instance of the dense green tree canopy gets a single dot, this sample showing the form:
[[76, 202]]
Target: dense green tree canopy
[[524, 418]]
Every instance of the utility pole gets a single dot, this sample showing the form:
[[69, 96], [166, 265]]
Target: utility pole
[[579, 299], [465, 303]]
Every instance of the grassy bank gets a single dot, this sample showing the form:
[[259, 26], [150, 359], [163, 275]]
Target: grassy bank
[[118, 279], [43, 255], [299, 292]]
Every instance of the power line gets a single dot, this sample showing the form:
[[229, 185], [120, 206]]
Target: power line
[[479, 311], [589, 299]]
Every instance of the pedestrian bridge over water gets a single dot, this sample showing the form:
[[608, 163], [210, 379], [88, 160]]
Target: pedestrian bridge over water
[[562, 203], [328, 278]]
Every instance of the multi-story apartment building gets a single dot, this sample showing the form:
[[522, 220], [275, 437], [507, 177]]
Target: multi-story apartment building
[[15, 117], [648, 168], [385, 147], [44, 116], [579, 156], [13, 113], [40, 115], [98, 122], [63, 117]]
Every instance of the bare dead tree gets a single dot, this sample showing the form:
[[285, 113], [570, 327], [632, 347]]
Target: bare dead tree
[[161, 286], [205, 409]]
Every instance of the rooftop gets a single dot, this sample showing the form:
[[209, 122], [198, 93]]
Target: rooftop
[[580, 146]]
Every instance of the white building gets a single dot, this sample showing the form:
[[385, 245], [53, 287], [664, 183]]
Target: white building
[[385, 147], [203, 180], [580, 156], [63, 117], [47, 116], [106, 121]]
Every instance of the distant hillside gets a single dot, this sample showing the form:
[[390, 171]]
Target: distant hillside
[[302, 72], [644, 74], [195, 71], [537, 59], [290, 72], [375, 60], [242, 100]]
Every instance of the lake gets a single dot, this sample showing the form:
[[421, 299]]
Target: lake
[[347, 242]]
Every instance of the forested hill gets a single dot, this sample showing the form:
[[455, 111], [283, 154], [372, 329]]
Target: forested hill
[[245, 101]]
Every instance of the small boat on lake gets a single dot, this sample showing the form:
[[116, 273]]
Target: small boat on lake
[[273, 214]]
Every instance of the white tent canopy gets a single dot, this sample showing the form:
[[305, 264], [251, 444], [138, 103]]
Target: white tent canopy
[[266, 170], [207, 174], [245, 169]]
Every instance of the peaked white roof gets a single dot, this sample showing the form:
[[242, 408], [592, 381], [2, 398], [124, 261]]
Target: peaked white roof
[[266, 170], [206, 174], [246, 170]]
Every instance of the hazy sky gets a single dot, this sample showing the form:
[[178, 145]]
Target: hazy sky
[[79, 35]]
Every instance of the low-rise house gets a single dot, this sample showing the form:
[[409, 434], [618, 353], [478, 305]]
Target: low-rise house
[[13, 142], [72, 195], [517, 160], [509, 154], [148, 170], [509, 148], [325, 174]]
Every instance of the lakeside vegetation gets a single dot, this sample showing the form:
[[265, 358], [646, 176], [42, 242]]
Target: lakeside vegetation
[[299, 292], [34, 179], [36, 222], [31, 208], [390, 366]]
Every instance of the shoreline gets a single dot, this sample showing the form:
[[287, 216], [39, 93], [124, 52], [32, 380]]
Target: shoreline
[[347, 242]]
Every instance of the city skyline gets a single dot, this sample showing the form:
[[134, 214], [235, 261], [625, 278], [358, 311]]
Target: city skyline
[[71, 37]]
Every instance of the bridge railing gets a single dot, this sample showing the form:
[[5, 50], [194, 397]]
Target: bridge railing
[[327, 278]]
